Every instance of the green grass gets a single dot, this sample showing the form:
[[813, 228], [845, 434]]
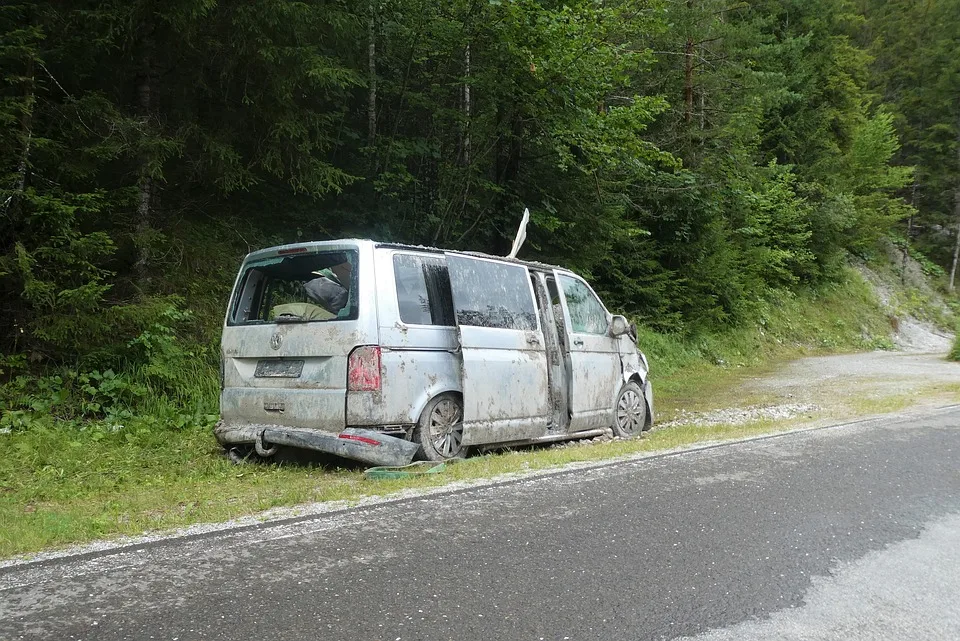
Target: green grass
[[70, 482]]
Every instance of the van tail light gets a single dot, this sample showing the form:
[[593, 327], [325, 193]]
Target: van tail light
[[363, 370]]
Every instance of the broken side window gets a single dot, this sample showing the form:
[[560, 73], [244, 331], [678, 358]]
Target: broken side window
[[423, 290]]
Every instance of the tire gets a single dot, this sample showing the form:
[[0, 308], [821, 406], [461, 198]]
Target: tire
[[439, 432], [630, 411]]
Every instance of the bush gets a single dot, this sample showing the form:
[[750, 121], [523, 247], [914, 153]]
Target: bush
[[157, 379], [954, 354]]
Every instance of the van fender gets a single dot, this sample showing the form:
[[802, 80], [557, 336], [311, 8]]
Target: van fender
[[429, 393], [639, 376]]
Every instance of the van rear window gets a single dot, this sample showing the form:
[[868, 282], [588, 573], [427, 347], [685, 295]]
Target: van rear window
[[302, 288]]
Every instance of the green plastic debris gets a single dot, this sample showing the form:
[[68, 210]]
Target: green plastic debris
[[420, 468]]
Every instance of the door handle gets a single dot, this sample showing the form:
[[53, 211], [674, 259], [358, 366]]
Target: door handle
[[578, 342], [533, 340]]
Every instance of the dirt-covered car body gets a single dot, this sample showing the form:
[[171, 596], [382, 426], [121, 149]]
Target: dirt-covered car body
[[378, 352]]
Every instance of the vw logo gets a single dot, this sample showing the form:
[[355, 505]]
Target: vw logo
[[275, 341]]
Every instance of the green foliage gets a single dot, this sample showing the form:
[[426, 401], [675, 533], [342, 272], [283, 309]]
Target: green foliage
[[865, 175], [917, 71], [930, 268], [954, 354]]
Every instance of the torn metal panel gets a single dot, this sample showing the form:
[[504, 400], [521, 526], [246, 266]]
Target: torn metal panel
[[368, 446]]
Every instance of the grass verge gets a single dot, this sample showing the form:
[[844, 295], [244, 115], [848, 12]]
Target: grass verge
[[61, 484], [188, 481]]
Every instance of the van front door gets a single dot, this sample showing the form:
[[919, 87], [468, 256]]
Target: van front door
[[594, 356], [504, 374]]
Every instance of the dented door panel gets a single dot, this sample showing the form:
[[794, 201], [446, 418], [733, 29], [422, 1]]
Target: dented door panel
[[311, 395], [594, 382], [315, 398], [505, 393]]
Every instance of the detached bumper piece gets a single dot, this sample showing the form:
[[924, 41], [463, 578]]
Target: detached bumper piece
[[368, 446], [648, 395]]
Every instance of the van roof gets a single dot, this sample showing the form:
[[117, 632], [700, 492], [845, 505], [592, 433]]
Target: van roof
[[506, 259], [344, 243]]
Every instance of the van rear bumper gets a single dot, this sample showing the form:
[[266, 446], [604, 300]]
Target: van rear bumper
[[369, 446]]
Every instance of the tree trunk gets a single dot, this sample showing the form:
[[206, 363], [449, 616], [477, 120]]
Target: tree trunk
[[145, 184], [467, 106], [956, 213], [688, 82], [372, 76], [906, 245], [956, 247], [688, 73], [13, 202]]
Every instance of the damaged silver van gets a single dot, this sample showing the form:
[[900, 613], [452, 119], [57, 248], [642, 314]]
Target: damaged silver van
[[381, 352]]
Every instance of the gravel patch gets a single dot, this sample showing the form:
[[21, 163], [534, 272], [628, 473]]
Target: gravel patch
[[742, 415], [859, 374]]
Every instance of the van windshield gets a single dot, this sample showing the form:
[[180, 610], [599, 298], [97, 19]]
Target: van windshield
[[302, 288]]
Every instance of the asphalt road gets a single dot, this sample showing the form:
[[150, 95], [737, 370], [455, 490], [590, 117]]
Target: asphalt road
[[850, 532]]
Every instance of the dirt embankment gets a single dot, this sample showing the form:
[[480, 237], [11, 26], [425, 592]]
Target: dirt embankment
[[828, 388], [910, 334]]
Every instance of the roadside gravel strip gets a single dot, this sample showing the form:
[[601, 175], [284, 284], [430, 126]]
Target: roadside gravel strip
[[741, 415]]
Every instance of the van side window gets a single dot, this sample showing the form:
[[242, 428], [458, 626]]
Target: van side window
[[587, 315], [423, 290], [491, 294]]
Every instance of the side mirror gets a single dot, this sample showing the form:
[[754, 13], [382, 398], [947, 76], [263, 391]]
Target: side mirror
[[619, 325]]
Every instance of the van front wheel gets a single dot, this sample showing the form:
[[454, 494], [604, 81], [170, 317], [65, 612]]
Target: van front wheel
[[439, 431], [630, 416]]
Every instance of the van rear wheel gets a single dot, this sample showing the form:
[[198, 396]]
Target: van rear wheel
[[439, 431]]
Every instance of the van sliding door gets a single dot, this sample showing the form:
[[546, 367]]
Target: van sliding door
[[504, 376]]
